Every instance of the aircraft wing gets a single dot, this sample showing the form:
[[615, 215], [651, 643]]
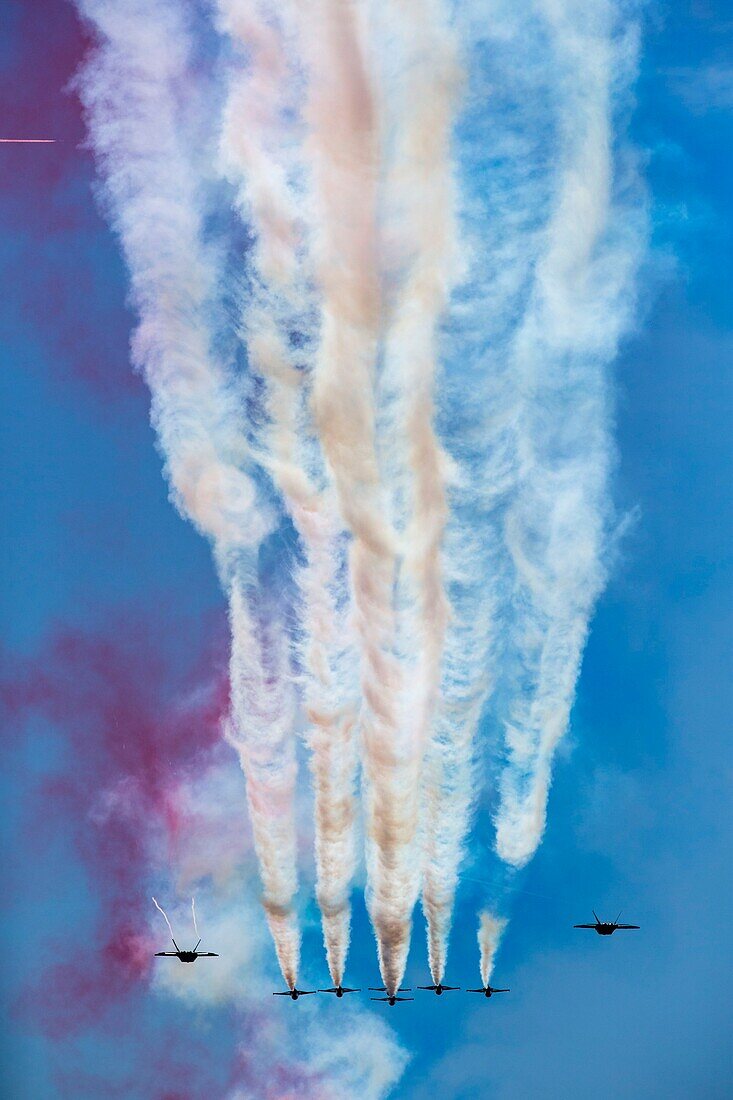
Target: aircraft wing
[[584, 926], [451, 987], [345, 989], [305, 992], [628, 926], [501, 990], [166, 954], [429, 987], [475, 991], [286, 994], [207, 954]]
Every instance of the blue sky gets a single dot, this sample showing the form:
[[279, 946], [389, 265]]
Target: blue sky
[[640, 814]]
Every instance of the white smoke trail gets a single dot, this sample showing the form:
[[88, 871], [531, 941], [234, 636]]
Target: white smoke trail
[[147, 147], [165, 918], [490, 931], [509, 215], [193, 914], [578, 308], [257, 152], [153, 190], [263, 713], [425, 259]]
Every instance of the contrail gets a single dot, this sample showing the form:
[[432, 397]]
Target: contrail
[[256, 153], [489, 934], [165, 918], [193, 914]]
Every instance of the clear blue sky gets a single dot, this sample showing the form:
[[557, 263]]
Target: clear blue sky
[[640, 815]]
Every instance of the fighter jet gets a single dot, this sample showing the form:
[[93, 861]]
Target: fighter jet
[[186, 956], [392, 999], [294, 993], [439, 988], [339, 990], [488, 990], [603, 928]]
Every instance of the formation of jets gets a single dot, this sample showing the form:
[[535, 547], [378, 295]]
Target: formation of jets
[[603, 928]]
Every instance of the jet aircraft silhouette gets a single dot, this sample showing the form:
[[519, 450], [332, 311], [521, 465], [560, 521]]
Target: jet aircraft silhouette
[[604, 928], [392, 998], [488, 990], [294, 993], [339, 990], [439, 988], [186, 956]]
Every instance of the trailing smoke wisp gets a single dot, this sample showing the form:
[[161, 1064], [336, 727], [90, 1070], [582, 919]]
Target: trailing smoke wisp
[[165, 917]]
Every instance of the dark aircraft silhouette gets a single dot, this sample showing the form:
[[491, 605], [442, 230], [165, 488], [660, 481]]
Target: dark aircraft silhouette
[[339, 990], [294, 993], [392, 999], [439, 988], [488, 990], [603, 928], [186, 956]]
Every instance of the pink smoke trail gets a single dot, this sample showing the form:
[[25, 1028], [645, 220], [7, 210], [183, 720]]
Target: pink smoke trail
[[343, 147]]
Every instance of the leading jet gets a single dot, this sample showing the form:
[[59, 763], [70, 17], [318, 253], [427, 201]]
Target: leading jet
[[604, 928], [488, 990], [339, 990], [392, 998], [186, 956], [294, 993], [439, 989]]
